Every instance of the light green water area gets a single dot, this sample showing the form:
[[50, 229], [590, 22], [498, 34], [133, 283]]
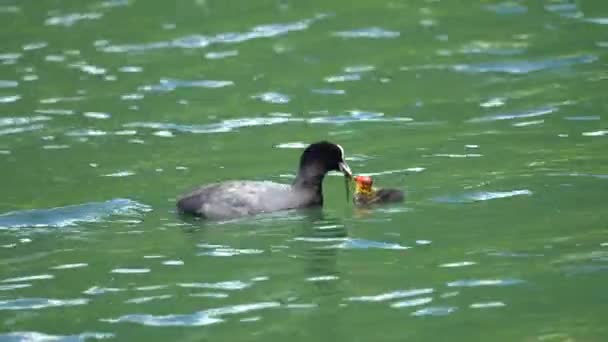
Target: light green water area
[[492, 116]]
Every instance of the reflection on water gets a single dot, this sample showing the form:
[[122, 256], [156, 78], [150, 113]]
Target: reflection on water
[[490, 116], [71, 215]]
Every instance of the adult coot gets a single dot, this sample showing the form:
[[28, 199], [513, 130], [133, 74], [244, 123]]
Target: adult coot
[[233, 199]]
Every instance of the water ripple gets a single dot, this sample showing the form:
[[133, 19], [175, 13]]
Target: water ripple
[[342, 78], [70, 215], [272, 97], [412, 302], [435, 311], [483, 196], [225, 251], [391, 295], [20, 129], [8, 84], [96, 290], [514, 116], [368, 244], [10, 98], [224, 285], [487, 305], [221, 54], [69, 266], [524, 67], [201, 41], [458, 264], [39, 303], [70, 19], [140, 300], [15, 121], [229, 125], [200, 318], [168, 85], [595, 133], [493, 48], [507, 8], [568, 10], [484, 282], [130, 270], [368, 32], [221, 127], [33, 336], [28, 278], [13, 287]]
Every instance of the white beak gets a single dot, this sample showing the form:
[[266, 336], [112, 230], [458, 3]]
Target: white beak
[[345, 169]]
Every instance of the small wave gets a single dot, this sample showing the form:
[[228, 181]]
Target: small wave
[[483, 196], [10, 98], [493, 48], [368, 244], [342, 78], [120, 174], [96, 290], [28, 278], [513, 116], [507, 8], [484, 282], [200, 318], [39, 303], [71, 215], [33, 336], [221, 54], [230, 125], [173, 263], [595, 133], [272, 97], [16, 121], [224, 285], [140, 300], [458, 264], [20, 129], [487, 305], [69, 266], [412, 302], [298, 145], [391, 295], [435, 311], [368, 32], [8, 84], [130, 270], [13, 287], [322, 278], [390, 172], [524, 67], [229, 251], [568, 10], [168, 85], [70, 19], [201, 41]]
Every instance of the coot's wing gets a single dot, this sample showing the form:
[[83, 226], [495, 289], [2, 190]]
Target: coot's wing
[[236, 198]]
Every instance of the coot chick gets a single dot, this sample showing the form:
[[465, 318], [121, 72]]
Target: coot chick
[[232, 199], [365, 194]]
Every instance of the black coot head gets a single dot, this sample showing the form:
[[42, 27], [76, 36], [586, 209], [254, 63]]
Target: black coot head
[[328, 155]]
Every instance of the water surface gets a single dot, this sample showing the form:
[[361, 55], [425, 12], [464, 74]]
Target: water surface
[[490, 115]]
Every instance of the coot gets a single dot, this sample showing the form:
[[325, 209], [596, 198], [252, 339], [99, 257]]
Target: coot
[[232, 199]]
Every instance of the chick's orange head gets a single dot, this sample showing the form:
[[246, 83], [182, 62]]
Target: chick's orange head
[[363, 183]]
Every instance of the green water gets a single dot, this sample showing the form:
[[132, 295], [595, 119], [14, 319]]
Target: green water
[[490, 115]]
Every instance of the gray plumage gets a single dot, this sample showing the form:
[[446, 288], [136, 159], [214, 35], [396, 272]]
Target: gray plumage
[[233, 199]]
